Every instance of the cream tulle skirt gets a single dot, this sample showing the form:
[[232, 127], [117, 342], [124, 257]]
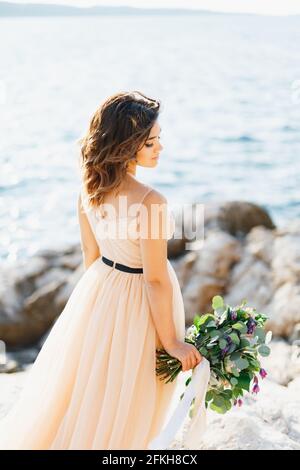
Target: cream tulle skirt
[[93, 384]]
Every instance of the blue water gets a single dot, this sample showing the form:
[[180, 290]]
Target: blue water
[[230, 115]]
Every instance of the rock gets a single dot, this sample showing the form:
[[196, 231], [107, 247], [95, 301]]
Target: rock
[[236, 217], [292, 227], [220, 252], [198, 293], [260, 241], [72, 261], [10, 366], [286, 261], [29, 295], [284, 310], [183, 266], [251, 280], [56, 275], [24, 356], [25, 273], [38, 314], [295, 336], [52, 254], [283, 364], [176, 247], [209, 272], [66, 290]]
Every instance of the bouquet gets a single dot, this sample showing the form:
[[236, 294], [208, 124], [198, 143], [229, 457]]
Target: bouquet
[[231, 339]]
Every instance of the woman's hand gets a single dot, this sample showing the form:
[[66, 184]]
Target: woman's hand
[[186, 353]]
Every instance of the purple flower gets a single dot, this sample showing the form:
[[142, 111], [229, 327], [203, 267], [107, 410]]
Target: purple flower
[[255, 388], [233, 315], [225, 351], [238, 402], [263, 373], [251, 325], [255, 380]]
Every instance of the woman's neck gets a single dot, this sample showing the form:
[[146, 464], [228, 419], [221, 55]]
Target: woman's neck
[[131, 173]]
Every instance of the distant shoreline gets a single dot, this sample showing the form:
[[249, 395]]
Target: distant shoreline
[[12, 9], [37, 9]]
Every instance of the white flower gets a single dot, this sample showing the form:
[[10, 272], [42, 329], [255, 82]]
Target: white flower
[[191, 331]]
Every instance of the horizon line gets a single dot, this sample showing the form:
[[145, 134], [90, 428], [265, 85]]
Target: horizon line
[[146, 8]]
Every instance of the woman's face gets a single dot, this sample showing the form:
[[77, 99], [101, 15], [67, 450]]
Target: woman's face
[[148, 155]]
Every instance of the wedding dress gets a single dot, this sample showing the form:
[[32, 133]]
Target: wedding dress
[[93, 384]]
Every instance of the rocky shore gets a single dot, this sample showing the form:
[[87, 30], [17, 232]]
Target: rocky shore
[[244, 256]]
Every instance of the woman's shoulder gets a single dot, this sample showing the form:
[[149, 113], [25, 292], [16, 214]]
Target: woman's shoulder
[[153, 196], [148, 194]]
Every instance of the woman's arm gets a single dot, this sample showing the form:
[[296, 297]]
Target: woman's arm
[[89, 246], [155, 269], [158, 284]]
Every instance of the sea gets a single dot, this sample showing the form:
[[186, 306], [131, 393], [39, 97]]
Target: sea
[[229, 86]]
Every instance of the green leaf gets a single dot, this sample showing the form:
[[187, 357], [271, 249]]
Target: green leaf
[[244, 381], [196, 321], [260, 333], [237, 392], [214, 360], [217, 302], [217, 408], [205, 318], [222, 343], [244, 343], [209, 396], [232, 348], [235, 356], [218, 400], [235, 338], [214, 333], [241, 327], [234, 381], [227, 393], [254, 363], [242, 363], [203, 351], [264, 350], [228, 405]]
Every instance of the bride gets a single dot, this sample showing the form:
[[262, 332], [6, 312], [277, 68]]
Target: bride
[[93, 384]]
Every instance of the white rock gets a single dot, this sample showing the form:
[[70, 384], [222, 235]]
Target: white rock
[[284, 310]]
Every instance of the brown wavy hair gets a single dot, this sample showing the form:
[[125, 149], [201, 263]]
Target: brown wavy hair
[[117, 131]]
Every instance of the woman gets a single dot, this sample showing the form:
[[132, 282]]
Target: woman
[[93, 384]]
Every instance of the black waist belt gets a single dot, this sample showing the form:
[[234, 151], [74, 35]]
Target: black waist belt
[[121, 267]]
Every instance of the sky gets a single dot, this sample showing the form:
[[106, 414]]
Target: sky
[[273, 7]]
